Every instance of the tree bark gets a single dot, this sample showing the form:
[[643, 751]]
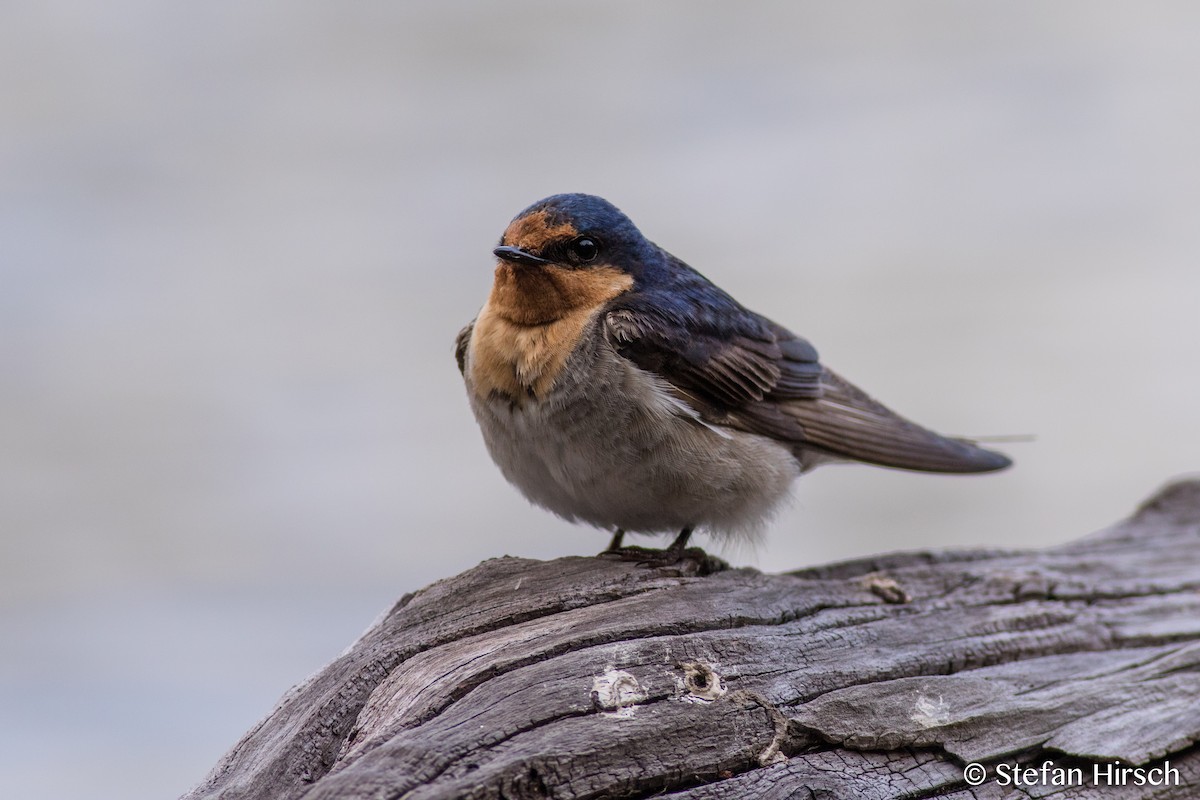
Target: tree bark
[[880, 678]]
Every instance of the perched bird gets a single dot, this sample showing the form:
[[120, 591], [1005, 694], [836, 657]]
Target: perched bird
[[617, 386]]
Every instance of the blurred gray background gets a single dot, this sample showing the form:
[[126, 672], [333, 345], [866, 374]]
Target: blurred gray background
[[237, 241]]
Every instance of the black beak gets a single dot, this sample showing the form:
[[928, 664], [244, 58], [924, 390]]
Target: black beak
[[516, 255]]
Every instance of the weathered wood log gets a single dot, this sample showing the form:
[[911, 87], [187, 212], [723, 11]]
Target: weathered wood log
[[880, 678]]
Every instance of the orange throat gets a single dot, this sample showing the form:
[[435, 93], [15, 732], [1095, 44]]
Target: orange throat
[[532, 322]]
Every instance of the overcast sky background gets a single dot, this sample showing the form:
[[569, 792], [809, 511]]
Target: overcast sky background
[[237, 241]]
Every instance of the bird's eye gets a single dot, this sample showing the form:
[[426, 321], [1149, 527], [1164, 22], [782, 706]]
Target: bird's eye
[[583, 249]]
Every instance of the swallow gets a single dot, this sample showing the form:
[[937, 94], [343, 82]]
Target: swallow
[[617, 386]]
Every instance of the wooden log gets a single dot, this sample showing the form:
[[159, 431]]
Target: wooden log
[[878, 678]]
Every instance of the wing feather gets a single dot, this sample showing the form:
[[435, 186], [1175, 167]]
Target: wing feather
[[461, 343], [757, 376]]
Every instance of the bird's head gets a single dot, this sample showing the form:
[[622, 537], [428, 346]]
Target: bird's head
[[572, 231], [564, 254]]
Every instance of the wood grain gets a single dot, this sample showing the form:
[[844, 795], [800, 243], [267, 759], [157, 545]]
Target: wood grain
[[602, 677]]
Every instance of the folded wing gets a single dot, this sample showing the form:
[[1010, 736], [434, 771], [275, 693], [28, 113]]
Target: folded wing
[[740, 370]]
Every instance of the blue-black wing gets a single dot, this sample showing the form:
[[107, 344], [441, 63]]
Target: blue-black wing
[[746, 372]]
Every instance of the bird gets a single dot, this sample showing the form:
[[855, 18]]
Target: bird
[[615, 385]]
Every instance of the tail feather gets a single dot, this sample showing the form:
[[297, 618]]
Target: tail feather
[[846, 422]]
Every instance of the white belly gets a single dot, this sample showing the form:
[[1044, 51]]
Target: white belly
[[608, 446]]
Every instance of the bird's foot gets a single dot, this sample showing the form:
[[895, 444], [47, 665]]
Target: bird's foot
[[688, 560], [615, 544]]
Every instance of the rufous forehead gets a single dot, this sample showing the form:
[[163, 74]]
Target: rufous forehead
[[533, 231]]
